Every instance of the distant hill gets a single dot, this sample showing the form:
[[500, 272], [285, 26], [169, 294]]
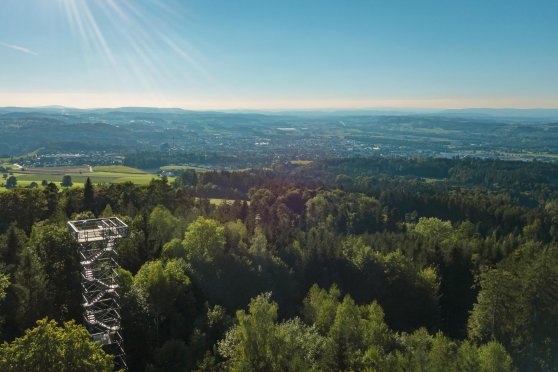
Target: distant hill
[[504, 113], [471, 132]]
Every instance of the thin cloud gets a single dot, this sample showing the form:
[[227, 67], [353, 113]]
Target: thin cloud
[[19, 48]]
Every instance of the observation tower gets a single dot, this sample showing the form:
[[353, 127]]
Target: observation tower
[[99, 281]]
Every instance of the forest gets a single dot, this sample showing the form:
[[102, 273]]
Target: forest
[[366, 264]]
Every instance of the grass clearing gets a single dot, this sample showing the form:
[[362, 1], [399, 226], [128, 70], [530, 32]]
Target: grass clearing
[[182, 167], [301, 162], [217, 201], [118, 169], [55, 170], [106, 174], [433, 180], [529, 154]]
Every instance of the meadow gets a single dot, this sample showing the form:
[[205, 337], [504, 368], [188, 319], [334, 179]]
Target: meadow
[[182, 167], [79, 174], [105, 174]]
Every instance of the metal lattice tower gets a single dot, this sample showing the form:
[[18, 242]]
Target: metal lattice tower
[[98, 260]]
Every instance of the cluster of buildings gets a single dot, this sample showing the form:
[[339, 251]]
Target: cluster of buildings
[[71, 159]]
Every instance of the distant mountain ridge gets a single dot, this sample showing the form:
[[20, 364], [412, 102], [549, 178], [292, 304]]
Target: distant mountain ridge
[[539, 113]]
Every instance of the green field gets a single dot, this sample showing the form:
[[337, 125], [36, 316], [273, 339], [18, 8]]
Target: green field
[[529, 154], [433, 180], [301, 162], [118, 169], [182, 167], [25, 183], [79, 174]]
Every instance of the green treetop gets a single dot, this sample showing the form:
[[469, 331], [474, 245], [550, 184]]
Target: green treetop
[[49, 347]]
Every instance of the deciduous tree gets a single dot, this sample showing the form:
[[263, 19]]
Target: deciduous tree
[[49, 347]]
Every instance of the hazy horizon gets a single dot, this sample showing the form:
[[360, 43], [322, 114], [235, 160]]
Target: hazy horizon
[[295, 109]]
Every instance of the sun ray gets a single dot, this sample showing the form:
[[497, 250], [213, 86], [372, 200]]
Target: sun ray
[[144, 29]]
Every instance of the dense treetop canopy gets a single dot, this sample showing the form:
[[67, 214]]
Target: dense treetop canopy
[[342, 265]]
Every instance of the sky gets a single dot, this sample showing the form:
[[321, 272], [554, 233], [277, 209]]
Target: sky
[[279, 54]]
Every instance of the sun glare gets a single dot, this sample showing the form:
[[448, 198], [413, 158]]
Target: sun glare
[[126, 35]]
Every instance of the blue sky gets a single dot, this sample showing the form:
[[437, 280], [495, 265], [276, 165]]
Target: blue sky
[[244, 54]]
